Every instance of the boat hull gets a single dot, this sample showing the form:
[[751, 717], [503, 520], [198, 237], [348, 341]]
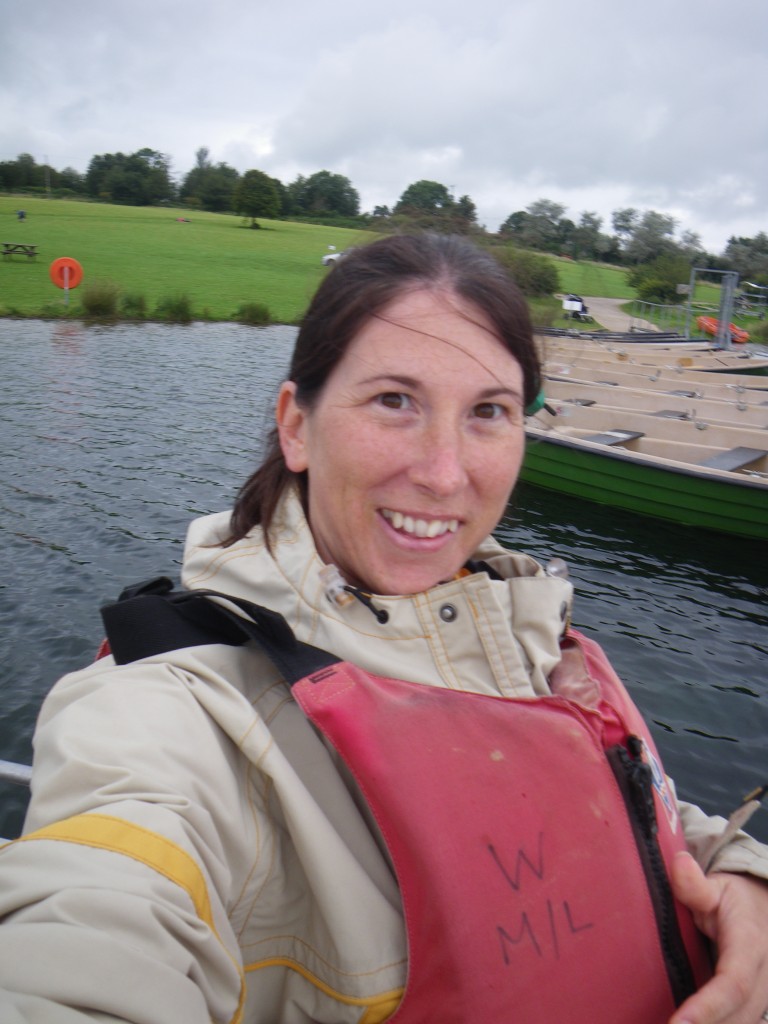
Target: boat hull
[[614, 477]]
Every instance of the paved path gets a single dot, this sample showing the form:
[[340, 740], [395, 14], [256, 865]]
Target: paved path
[[608, 313]]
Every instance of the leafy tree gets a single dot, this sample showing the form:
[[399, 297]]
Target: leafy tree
[[22, 173], [624, 222], [748, 257], [424, 197], [465, 210], [544, 226], [586, 238], [139, 179], [323, 194], [217, 190], [690, 245], [514, 225], [71, 179], [293, 195], [155, 170], [29, 174], [282, 193], [256, 196], [211, 187], [651, 237], [540, 226]]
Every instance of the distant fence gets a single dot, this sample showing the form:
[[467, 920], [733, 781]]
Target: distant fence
[[653, 317]]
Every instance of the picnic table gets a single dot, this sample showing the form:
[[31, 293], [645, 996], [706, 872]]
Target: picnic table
[[19, 249]]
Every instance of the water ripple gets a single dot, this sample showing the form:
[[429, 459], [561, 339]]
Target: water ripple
[[114, 438]]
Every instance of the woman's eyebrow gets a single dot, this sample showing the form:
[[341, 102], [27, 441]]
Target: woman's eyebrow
[[391, 380], [412, 382], [497, 392]]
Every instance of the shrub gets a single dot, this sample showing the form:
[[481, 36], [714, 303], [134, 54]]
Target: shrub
[[533, 274], [133, 306], [657, 280], [176, 308], [653, 289], [255, 313], [99, 300], [51, 310]]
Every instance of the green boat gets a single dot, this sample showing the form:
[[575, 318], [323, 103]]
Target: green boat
[[714, 488]]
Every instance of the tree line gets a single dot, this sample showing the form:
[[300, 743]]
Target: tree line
[[642, 240]]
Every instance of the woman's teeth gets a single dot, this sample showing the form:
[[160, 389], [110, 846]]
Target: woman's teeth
[[420, 527]]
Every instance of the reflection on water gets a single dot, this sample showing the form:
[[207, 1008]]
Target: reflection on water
[[114, 438], [682, 614]]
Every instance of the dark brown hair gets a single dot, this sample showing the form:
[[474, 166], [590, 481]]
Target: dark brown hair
[[361, 284]]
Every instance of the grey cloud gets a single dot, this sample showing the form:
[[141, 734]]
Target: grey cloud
[[602, 105]]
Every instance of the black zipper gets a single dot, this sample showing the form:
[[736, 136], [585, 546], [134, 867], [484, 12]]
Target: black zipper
[[635, 781]]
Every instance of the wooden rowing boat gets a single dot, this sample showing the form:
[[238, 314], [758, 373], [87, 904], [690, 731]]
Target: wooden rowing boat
[[709, 475], [722, 406]]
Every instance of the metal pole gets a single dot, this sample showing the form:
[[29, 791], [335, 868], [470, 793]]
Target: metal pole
[[689, 314], [726, 309]]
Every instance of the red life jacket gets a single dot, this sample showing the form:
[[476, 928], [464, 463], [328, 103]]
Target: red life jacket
[[529, 838]]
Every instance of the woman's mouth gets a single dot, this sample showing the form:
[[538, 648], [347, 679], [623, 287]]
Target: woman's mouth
[[418, 527]]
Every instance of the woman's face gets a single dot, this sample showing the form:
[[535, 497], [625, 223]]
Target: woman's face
[[413, 446]]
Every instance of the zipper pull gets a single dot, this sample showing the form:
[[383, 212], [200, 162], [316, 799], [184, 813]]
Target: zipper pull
[[641, 779]]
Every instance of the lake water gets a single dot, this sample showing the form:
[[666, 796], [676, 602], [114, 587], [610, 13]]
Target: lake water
[[113, 438]]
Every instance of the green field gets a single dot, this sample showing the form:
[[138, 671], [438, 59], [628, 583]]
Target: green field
[[216, 260], [598, 279]]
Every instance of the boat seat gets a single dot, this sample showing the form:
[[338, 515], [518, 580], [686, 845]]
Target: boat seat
[[615, 436], [672, 414], [734, 458]]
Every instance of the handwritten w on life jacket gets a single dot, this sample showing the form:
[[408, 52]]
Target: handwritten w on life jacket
[[546, 923]]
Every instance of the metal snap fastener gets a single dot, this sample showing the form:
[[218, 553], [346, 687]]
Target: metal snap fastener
[[448, 613]]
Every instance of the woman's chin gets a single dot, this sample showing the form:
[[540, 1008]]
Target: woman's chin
[[393, 583]]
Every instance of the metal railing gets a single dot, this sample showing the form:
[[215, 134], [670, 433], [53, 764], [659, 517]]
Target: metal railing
[[10, 771]]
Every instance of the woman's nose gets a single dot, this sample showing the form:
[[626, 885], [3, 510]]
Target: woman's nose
[[438, 465]]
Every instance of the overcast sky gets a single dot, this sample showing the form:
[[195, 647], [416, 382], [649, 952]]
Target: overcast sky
[[598, 105]]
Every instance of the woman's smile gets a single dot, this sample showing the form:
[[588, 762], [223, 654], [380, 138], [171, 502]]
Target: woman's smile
[[413, 446], [419, 526]]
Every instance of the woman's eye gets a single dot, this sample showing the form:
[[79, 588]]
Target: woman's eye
[[488, 410], [394, 400]]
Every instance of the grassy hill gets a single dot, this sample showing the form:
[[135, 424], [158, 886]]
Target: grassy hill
[[598, 279], [156, 255], [216, 260]]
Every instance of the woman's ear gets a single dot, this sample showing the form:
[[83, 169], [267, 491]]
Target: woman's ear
[[291, 428]]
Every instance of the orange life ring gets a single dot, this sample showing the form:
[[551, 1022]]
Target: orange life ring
[[69, 280]]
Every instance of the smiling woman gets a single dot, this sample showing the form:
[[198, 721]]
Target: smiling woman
[[414, 445], [361, 765]]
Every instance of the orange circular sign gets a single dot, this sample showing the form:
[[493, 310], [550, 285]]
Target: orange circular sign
[[66, 272]]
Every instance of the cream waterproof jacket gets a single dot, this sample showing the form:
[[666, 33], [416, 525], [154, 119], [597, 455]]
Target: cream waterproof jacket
[[194, 853]]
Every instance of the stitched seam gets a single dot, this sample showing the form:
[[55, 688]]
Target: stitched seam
[[294, 965], [76, 830]]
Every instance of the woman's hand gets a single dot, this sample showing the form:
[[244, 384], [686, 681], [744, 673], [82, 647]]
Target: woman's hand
[[732, 910]]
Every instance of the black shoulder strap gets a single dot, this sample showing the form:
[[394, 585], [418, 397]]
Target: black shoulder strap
[[152, 618]]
